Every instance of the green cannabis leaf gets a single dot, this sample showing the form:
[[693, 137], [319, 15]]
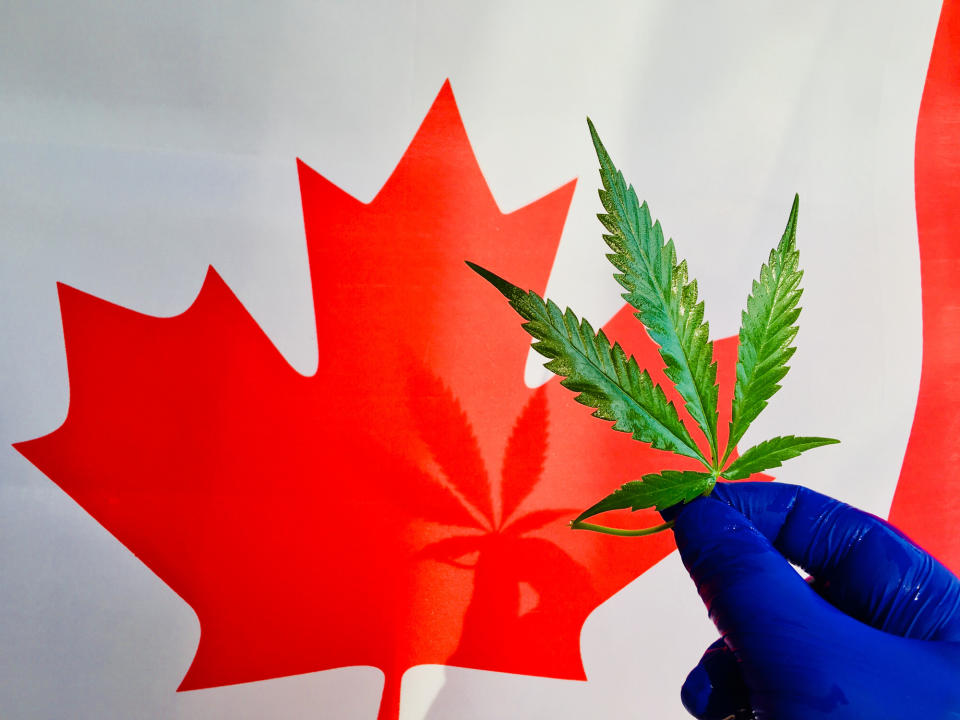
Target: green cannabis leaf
[[767, 327], [770, 454], [657, 287], [657, 490], [603, 375], [666, 302]]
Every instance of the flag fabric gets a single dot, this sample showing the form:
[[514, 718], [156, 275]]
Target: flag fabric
[[274, 451]]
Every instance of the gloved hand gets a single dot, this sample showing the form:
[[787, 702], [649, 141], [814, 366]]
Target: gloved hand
[[874, 635]]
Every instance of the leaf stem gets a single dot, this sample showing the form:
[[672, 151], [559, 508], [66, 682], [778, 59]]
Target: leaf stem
[[622, 532]]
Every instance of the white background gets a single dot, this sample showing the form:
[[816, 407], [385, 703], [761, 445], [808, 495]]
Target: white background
[[141, 142]]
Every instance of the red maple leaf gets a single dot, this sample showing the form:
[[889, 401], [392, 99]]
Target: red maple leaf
[[351, 517]]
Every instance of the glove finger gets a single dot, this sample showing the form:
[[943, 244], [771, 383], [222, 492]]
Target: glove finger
[[778, 628], [746, 584], [714, 689], [860, 563]]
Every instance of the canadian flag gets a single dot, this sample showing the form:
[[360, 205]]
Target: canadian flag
[[275, 452]]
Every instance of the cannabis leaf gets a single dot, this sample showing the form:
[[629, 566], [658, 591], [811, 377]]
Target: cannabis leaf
[[768, 327], [770, 454], [666, 302], [658, 287], [602, 375], [657, 490]]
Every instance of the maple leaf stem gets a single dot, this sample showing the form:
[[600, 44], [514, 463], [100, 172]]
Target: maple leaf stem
[[622, 532]]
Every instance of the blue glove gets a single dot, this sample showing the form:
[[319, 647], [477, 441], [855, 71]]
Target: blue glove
[[874, 635]]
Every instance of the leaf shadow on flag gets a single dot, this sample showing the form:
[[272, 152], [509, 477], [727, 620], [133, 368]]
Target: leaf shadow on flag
[[519, 581]]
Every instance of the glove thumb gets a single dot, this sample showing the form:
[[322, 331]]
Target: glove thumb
[[746, 584]]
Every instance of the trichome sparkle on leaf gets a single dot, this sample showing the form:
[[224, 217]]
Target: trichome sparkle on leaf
[[665, 298]]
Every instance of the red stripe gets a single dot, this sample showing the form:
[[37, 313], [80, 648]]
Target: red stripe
[[927, 503]]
